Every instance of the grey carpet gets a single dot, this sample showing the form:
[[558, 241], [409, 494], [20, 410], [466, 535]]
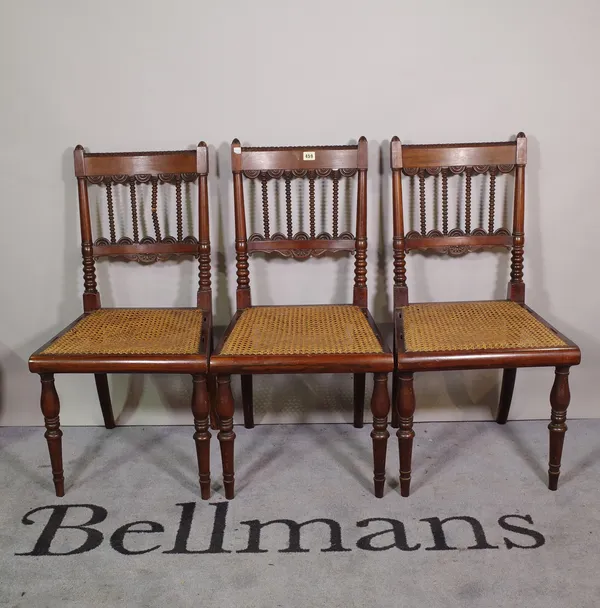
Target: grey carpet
[[543, 553]]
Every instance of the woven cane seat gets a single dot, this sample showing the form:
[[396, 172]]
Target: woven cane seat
[[132, 331], [466, 326], [302, 330]]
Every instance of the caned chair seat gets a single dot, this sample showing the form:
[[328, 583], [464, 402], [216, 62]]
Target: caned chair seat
[[177, 334], [500, 330], [263, 337], [302, 330], [451, 326], [132, 331]]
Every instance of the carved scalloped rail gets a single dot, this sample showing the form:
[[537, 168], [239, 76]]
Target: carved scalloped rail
[[295, 248]]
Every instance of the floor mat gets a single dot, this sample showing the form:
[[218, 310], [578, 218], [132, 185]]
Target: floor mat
[[480, 528]]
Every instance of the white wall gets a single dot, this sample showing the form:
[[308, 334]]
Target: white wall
[[150, 74]]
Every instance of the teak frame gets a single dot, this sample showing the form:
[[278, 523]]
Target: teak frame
[[134, 168], [492, 158], [286, 163]]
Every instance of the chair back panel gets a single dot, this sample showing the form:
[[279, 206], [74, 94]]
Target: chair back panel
[[283, 173], [122, 176], [442, 162]]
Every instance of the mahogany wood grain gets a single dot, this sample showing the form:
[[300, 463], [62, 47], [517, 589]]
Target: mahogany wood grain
[[292, 157], [560, 398], [495, 240], [139, 163], [405, 396], [226, 436], [200, 411], [51, 410], [380, 407], [310, 244], [454, 155], [145, 248]]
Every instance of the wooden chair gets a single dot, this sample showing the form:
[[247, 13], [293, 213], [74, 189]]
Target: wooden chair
[[301, 339], [135, 340], [470, 335]]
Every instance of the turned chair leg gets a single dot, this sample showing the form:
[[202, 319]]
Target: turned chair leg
[[226, 436], [506, 394], [201, 410], [380, 407], [395, 423], [406, 409], [359, 400], [247, 401], [104, 397], [51, 410], [211, 381], [559, 400]]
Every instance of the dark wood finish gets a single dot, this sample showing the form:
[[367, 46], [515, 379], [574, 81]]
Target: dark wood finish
[[200, 411], [480, 359], [454, 155], [395, 423], [247, 401], [506, 393], [359, 400], [128, 170], [88, 164], [51, 410], [405, 396], [560, 398], [226, 436], [313, 246], [449, 160], [292, 157], [121, 249], [494, 240], [284, 165], [418, 163], [380, 407], [104, 398]]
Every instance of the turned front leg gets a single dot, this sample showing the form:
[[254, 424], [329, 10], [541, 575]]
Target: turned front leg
[[51, 409], [201, 410], [380, 407], [405, 396], [559, 400], [226, 436]]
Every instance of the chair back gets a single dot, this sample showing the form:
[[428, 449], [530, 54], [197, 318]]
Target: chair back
[[289, 170], [122, 176], [461, 162]]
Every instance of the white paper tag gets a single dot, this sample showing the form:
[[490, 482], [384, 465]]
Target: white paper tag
[[237, 150], [308, 156]]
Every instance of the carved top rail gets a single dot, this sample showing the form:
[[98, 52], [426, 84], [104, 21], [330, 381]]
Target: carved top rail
[[132, 164], [297, 158], [456, 155], [442, 161], [130, 170]]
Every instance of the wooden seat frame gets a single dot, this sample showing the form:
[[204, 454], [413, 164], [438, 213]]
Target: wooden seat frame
[[131, 169], [469, 159], [285, 164]]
